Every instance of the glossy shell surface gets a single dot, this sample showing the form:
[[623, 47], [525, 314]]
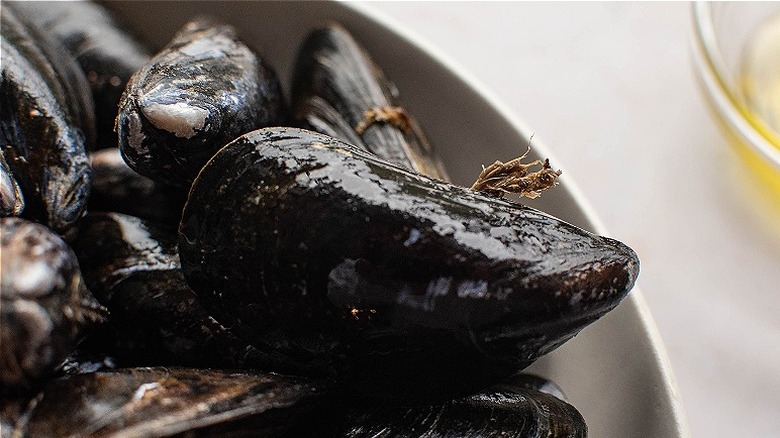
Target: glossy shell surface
[[359, 261], [42, 140], [204, 89], [516, 408], [107, 55], [71, 84], [163, 402], [337, 86]]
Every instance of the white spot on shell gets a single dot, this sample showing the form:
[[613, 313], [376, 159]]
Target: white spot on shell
[[503, 233], [414, 236], [446, 229], [202, 48], [143, 389], [37, 278], [135, 233], [472, 289], [150, 255], [180, 119]]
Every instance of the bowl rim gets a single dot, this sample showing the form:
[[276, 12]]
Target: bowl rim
[[635, 299], [711, 70]]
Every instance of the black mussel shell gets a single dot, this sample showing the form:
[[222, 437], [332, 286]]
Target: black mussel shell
[[106, 53], [336, 88], [132, 267], [398, 284], [521, 407], [118, 188], [200, 92], [44, 305], [51, 56], [41, 137], [164, 402], [11, 198]]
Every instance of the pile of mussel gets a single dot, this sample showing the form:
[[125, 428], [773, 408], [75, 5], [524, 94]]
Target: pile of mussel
[[187, 252]]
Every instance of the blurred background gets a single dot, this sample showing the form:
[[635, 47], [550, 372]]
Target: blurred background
[[610, 88]]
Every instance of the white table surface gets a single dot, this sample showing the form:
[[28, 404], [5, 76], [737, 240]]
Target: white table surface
[[610, 89]]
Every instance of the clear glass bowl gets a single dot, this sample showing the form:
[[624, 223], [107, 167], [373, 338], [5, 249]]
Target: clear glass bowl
[[727, 37]]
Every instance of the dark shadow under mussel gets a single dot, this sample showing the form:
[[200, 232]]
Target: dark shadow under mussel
[[132, 267], [118, 188]]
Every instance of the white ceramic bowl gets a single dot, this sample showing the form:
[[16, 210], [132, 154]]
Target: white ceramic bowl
[[615, 371]]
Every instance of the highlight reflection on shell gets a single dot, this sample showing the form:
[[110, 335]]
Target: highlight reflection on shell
[[200, 92], [44, 117], [163, 402]]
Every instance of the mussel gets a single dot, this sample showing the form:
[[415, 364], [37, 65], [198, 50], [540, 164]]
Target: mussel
[[338, 90], [163, 402], [43, 138], [200, 92], [61, 70], [520, 407], [132, 267], [44, 305], [398, 284], [106, 53]]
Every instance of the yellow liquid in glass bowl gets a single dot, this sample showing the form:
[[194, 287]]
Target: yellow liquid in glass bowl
[[760, 97], [760, 78]]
